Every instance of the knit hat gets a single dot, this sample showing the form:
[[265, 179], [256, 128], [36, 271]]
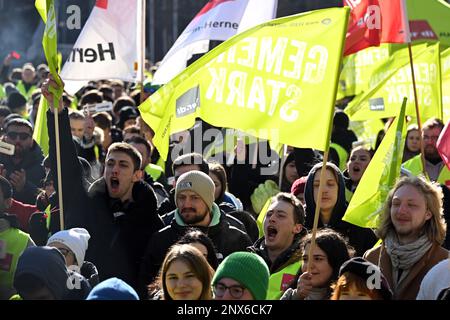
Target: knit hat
[[248, 269], [364, 269], [113, 289], [126, 113], [198, 182], [75, 239], [16, 101], [299, 186]]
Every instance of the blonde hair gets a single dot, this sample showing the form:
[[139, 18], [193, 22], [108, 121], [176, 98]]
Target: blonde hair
[[435, 227]]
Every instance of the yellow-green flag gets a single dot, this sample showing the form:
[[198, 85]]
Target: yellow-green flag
[[380, 176], [367, 131], [276, 81], [445, 71], [357, 69], [383, 100], [46, 9]]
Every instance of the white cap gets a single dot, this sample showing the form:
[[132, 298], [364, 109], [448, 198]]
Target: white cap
[[75, 239]]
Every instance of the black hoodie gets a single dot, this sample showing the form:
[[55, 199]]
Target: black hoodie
[[361, 239], [48, 265]]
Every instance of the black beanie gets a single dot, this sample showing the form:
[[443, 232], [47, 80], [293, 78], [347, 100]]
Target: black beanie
[[364, 269]]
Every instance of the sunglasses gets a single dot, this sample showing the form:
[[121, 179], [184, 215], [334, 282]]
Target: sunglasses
[[22, 135]]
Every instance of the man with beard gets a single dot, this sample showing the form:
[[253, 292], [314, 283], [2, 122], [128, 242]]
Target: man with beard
[[194, 197], [118, 209], [24, 168], [434, 166], [280, 245]]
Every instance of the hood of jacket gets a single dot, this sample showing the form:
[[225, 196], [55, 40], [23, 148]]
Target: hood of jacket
[[48, 265]]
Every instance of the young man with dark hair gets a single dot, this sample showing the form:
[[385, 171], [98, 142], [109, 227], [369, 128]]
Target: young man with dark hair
[[280, 245], [118, 210]]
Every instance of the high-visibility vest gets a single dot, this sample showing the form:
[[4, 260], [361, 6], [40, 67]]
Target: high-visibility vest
[[21, 88], [414, 165], [279, 281], [2, 92], [15, 242], [161, 163], [154, 171], [342, 154], [348, 195]]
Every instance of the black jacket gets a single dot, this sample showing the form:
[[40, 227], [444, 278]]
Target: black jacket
[[226, 238], [119, 231], [286, 258], [35, 173]]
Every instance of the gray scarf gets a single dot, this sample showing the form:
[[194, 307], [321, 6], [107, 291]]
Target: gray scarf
[[318, 294], [404, 256]]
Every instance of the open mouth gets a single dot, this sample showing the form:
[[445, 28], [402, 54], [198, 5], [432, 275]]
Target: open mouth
[[271, 233], [114, 182], [356, 169]]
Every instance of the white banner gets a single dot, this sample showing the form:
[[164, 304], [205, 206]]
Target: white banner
[[109, 46], [218, 20]]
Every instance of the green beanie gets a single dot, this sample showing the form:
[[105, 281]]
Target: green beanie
[[248, 269]]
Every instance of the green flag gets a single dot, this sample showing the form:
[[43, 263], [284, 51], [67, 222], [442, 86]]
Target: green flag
[[46, 10], [429, 20], [383, 99], [380, 176], [445, 72], [276, 81], [357, 69]]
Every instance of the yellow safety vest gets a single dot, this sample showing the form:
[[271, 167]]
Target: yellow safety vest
[[2, 92], [342, 154], [15, 242], [154, 171], [21, 88], [414, 165], [348, 195], [161, 163], [279, 281]]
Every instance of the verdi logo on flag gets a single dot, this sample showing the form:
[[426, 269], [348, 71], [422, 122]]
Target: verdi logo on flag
[[367, 202], [109, 46], [393, 81], [218, 20], [276, 80], [373, 22]]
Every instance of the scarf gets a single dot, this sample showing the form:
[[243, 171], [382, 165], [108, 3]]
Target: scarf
[[404, 256], [318, 294]]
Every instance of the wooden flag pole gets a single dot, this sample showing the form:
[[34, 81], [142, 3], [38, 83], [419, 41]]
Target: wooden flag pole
[[142, 50], [416, 102], [317, 211], [58, 166], [283, 159]]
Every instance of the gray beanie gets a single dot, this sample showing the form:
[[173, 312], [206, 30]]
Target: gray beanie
[[199, 183]]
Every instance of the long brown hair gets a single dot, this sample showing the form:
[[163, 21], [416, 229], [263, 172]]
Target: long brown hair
[[196, 261], [435, 227]]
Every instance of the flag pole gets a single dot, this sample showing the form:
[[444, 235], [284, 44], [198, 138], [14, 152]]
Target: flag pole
[[317, 213], [283, 159], [142, 50], [325, 160], [58, 165], [416, 103]]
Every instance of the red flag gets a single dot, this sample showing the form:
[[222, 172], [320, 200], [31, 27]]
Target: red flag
[[443, 144], [375, 21]]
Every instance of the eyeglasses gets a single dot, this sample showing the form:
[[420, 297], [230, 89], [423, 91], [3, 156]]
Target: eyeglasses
[[22, 135], [235, 291]]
